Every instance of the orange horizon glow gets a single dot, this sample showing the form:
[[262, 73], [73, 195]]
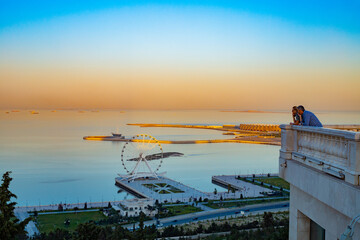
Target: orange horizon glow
[[197, 59]]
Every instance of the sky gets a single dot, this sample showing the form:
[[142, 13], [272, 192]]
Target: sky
[[168, 55]]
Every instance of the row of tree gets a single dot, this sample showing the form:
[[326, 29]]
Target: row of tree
[[269, 228], [11, 228]]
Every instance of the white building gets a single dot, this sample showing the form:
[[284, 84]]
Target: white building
[[133, 207], [323, 167]]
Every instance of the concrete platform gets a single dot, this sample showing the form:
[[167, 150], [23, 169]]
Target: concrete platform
[[245, 188], [162, 189]]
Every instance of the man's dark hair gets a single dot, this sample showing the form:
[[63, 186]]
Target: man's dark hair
[[301, 107]]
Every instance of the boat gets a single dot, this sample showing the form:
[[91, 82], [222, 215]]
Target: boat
[[118, 135]]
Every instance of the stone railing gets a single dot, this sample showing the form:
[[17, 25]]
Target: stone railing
[[260, 127], [335, 152]]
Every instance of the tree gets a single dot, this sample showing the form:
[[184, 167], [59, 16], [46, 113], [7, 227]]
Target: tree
[[10, 227], [87, 231], [85, 205], [268, 220], [229, 188], [200, 228], [150, 208], [141, 225], [215, 191], [60, 207], [109, 205]]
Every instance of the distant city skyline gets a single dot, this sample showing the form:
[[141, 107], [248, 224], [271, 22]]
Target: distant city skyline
[[158, 55]]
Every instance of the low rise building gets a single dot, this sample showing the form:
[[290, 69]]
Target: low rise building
[[133, 207], [323, 168]]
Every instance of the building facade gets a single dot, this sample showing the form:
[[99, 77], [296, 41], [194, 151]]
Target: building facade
[[133, 207], [323, 167]]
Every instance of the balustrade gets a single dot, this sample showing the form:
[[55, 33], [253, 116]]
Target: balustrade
[[336, 152], [260, 127]]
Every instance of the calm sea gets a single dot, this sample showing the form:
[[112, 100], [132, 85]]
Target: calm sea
[[51, 163]]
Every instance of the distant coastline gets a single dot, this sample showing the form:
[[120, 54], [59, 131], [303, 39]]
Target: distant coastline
[[250, 111], [240, 136]]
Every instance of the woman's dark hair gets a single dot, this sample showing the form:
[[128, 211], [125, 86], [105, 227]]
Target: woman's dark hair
[[294, 108], [301, 107]]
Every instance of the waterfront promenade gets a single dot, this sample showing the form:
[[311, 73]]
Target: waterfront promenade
[[245, 188], [184, 193], [55, 207], [162, 189]]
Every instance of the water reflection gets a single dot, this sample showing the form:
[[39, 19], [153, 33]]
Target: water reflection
[[51, 163]]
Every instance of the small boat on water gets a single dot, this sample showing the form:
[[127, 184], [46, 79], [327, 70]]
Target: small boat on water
[[118, 135]]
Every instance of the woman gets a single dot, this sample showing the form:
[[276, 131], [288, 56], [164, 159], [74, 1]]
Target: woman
[[296, 116]]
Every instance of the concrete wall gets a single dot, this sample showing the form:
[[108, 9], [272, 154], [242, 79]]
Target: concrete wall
[[304, 207], [323, 168], [328, 201]]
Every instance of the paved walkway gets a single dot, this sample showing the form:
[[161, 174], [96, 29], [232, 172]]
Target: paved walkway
[[31, 227], [245, 188], [139, 186], [216, 214], [250, 199], [61, 212], [54, 207]]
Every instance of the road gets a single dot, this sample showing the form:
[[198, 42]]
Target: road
[[214, 214]]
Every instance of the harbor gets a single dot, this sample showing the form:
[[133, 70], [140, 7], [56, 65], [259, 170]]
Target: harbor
[[162, 189]]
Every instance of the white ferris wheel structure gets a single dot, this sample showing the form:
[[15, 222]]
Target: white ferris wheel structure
[[142, 158]]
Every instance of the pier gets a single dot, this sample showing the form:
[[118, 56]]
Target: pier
[[245, 188], [162, 189]]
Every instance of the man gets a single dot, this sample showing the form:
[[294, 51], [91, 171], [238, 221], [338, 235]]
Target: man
[[308, 118]]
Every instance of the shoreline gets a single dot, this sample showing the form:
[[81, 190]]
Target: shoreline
[[240, 136]]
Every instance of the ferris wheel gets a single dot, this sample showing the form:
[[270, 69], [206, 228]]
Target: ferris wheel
[[142, 157]]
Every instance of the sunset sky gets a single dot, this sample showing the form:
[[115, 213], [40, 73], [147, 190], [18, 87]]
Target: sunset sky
[[261, 55]]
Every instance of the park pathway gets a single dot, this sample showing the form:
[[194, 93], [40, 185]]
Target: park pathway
[[31, 227]]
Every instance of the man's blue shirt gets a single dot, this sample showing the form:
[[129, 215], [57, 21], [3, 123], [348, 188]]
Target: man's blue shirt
[[309, 119]]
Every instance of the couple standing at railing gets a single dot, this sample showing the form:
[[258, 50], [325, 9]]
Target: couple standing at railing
[[304, 118]]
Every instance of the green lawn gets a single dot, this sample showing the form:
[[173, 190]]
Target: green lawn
[[161, 184], [240, 204], [276, 181], [174, 189], [49, 222], [179, 210]]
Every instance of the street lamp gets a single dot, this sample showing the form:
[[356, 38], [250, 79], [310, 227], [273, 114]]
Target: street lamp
[[349, 231]]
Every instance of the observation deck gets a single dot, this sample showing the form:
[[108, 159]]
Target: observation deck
[[323, 167]]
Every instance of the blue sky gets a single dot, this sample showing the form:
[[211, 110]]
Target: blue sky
[[341, 15], [79, 53]]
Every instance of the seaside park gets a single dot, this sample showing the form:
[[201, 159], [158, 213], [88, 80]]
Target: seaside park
[[163, 200]]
